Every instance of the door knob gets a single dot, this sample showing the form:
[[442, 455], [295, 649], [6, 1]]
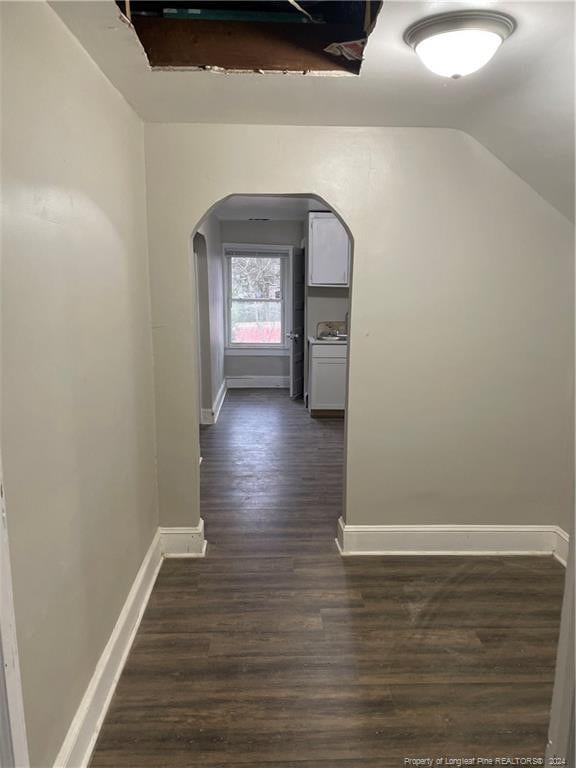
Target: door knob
[[293, 336]]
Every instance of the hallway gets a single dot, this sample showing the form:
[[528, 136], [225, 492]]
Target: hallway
[[275, 651], [271, 477]]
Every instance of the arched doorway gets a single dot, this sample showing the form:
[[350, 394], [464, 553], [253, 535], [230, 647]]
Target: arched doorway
[[273, 317]]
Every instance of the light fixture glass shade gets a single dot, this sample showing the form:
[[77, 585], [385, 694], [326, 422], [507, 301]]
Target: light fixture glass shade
[[458, 53], [458, 43]]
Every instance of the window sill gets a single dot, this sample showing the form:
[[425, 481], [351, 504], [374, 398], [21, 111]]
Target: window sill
[[257, 351]]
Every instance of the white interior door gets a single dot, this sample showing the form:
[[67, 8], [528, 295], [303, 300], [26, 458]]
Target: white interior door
[[296, 333]]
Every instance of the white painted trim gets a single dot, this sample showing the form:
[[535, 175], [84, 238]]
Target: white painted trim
[[257, 382], [16, 743], [206, 416], [183, 542], [83, 732], [258, 351], [210, 415], [219, 400], [452, 540], [285, 253], [562, 546], [80, 740], [561, 726]]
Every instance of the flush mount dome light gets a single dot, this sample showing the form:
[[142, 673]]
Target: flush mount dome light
[[459, 43]]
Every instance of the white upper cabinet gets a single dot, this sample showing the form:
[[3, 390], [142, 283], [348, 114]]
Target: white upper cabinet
[[328, 251]]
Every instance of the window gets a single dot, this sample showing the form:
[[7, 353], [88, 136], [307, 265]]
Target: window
[[256, 280]]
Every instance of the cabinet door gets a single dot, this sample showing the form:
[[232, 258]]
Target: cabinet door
[[328, 251], [328, 384]]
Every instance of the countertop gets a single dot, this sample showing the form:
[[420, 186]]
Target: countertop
[[313, 340]]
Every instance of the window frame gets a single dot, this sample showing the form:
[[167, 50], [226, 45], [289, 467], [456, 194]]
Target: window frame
[[284, 252]]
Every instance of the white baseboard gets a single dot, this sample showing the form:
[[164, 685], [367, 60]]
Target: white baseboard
[[183, 542], [257, 382], [452, 540], [206, 416], [562, 542], [80, 740], [219, 400], [83, 732], [210, 415]]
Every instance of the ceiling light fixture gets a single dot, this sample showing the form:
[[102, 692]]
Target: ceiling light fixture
[[459, 43]]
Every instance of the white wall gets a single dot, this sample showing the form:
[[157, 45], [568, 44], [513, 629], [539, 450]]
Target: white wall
[[77, 393], [460, 402], [324, 304], [200, 253], [210, 229], [263, 232]]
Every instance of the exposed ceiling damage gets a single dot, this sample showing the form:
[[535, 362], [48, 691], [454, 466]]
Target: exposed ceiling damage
[[520, 106], [297, 36]]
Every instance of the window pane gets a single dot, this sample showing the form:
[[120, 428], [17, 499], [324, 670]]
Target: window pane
[[255, 278], [256, 322]]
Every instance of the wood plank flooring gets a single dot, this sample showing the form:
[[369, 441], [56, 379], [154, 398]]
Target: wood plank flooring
[[275, 651]]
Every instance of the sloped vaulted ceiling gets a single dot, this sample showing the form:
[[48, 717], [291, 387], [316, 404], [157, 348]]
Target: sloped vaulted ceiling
[[520, 106]]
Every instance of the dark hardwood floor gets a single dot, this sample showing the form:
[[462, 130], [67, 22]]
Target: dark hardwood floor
[[275, 651]]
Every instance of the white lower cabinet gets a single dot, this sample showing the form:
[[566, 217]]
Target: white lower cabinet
[[327, 380]]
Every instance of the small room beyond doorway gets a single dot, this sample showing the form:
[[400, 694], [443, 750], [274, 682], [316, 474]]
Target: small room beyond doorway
[[273, 278]]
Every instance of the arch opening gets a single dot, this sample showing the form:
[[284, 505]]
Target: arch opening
[[273, 286]]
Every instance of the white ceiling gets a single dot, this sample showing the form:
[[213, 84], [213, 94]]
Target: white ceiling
[[520, 106], [273, 207]]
